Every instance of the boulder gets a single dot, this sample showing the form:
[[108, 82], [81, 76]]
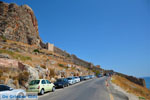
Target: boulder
[[41, 71], [33, 73]]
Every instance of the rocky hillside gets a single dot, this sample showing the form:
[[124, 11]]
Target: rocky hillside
[[131, 87], [138, 81], [18, 23], [23, 56], [21, 63]]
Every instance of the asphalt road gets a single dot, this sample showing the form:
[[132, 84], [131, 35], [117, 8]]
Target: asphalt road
[[93, 89]]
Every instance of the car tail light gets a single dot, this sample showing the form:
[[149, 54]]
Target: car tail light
[[38, 87]]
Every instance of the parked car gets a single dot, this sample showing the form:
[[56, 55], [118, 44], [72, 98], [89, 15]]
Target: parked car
[[18, 94], [99, 75], [85, 77], [81, 78], [71, 80], [93, 76], [41, 86], [90, 76], [77, 79], [62, 82]]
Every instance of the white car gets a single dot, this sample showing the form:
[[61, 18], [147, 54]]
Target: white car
[[77, 79], [8, 93], [71, 80]]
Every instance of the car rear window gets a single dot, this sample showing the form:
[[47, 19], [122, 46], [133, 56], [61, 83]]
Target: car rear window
[[43, 82], [59, 80], [69, 78], [34, 82]]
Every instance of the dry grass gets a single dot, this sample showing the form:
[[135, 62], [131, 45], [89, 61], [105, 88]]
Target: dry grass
[[131, 87], [20, 43], [15, 55]]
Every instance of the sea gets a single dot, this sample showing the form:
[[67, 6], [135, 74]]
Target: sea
[[147, 80]]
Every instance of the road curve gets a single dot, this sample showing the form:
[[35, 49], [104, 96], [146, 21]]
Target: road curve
[[94, 89]]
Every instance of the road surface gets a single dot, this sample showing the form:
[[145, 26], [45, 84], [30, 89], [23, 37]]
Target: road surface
[[93, 89]]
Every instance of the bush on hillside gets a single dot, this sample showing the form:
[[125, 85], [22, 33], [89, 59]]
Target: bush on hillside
[[4, 38], [36, 51], [61, 65]]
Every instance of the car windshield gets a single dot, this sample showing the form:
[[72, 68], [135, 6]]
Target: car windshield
[[34, 82]]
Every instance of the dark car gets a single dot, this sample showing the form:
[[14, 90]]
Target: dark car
[[62, 82], [81, 78], [99, 75]]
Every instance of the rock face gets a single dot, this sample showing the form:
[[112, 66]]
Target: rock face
[[138, 81], [18, 23], [135, 80], [81, 62]]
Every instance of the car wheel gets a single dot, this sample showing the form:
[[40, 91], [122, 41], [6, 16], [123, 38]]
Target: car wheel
[[20, 96], [63, 86], [42, 91], [53, 89]]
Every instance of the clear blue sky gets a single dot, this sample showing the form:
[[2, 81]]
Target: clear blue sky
[[112, 33]]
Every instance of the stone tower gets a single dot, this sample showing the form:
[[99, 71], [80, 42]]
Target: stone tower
[[50, 47]]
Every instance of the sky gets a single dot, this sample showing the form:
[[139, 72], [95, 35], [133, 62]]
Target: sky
[[112, 33]]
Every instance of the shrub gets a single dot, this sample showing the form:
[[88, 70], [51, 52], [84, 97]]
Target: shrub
[[68, 56], [4, 38], [61, 65], [36, 50], [97, 72]]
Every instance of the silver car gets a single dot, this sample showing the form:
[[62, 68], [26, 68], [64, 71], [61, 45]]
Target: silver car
[[77, 79], [8, 93], [71, 80]]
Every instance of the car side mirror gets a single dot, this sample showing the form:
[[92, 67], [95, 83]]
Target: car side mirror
[[10, 89]]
